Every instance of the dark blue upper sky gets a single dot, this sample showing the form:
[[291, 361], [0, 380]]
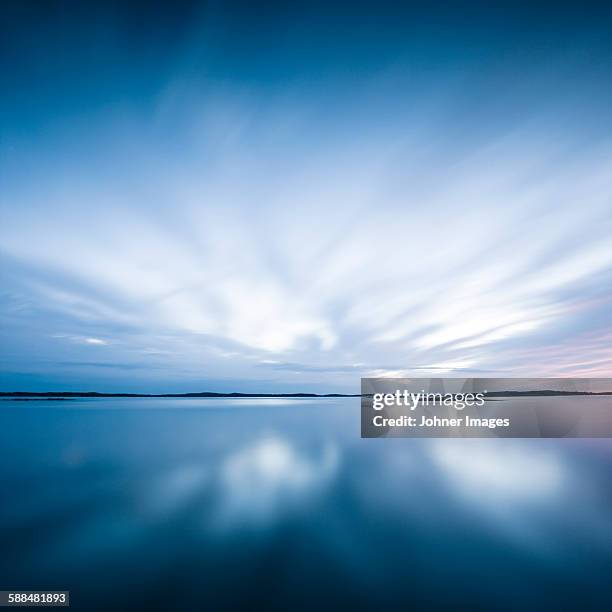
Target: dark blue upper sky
[[229, 195], [64, 58]]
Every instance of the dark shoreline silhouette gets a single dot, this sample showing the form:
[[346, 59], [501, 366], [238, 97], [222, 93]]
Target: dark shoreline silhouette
[[204, 394], [210, 394], [543, 393]]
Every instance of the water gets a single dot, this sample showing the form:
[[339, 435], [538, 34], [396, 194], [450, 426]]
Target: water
[[278, 504]]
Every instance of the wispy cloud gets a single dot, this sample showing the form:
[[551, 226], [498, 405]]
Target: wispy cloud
[[278, 235], [81, 339]]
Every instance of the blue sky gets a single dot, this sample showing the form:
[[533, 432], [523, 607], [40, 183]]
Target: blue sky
[[212, 197]]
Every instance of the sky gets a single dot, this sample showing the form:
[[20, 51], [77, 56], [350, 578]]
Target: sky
[[288, 197]]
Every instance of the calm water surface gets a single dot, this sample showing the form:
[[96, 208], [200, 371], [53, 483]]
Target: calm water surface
[[278, 504]]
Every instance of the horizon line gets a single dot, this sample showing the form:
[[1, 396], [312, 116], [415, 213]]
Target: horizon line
[[215, 394], [189, 394]]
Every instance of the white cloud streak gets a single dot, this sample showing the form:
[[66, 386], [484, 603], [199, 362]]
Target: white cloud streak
[[356, 252]]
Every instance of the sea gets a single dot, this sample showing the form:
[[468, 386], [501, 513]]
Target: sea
[[279, 504]]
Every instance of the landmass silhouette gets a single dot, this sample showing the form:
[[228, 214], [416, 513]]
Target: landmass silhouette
[[211, 394], [68, 394]]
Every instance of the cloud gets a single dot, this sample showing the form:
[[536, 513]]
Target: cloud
[[81, 339], [370, 247], [97, 341]]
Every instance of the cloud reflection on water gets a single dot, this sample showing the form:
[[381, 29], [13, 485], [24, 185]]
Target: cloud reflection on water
[[499, 471], [261, 480]]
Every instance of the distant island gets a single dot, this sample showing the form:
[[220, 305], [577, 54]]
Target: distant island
[[211, 394], [543, 393], [70, 394]]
